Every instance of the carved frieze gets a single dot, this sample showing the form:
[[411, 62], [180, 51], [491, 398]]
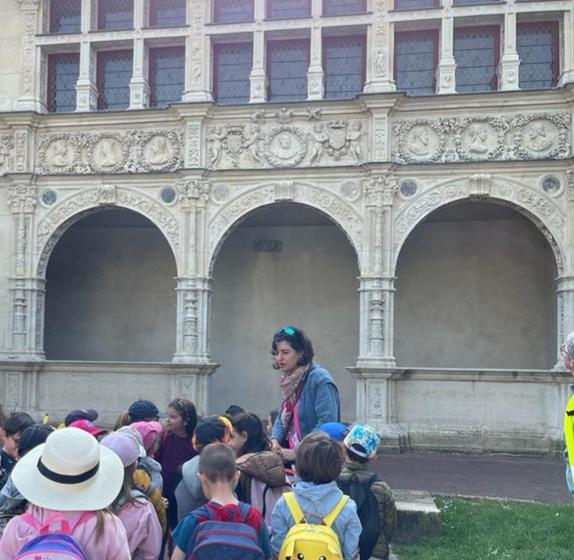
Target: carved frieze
[[131, 151], [6, 154], [520, 137]]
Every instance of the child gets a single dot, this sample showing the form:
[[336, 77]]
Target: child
[[14, 425], [74, 477], [318, 460], [189, 493], [141, 410], [150, 433], [218, 477], [176, 448], [132, 507], [262, 474], [567, 350], [374, 499]]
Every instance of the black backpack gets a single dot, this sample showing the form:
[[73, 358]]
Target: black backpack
[[367, 508]]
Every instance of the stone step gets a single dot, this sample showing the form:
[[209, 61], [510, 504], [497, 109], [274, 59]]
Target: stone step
[[418, 516]]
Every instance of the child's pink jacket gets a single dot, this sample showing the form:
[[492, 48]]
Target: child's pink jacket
[[113, 545], [143, 529]]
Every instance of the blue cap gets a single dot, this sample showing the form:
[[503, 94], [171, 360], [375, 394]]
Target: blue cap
[[335, 430]]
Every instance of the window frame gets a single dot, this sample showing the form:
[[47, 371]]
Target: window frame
[[497, 37], [52, 60], [52, 19], [436, 56], [100, 77], [555, 46], [215, 85], [268, 69], [152, 7], [363, 10], [363, 39], [269, 7], [214, 19]]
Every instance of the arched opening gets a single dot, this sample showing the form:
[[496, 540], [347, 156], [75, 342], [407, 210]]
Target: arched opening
[[110, 291], [475, 289], [285, 264]]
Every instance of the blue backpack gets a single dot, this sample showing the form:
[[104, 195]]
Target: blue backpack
[[222, 540], [53, 545]]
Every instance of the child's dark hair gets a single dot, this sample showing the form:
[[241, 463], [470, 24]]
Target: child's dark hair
[[217, 462], [298, 340], [354, 457], [186, 409], [33, 436], [17, 422], [234, 410], [318, 458], [251, 425]]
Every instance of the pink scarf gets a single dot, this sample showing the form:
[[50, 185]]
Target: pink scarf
[[289, 385]]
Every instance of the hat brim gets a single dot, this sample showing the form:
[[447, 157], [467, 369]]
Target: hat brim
[[96, 493], [81, 414]]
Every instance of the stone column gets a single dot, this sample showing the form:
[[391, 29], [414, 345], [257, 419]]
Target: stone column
[[198, 54], [139, 88], [86, 90], [509, 63], [193, 287], [315, 74], [567, 28], [565, 313], [379, 63], [26, 335], [258, 77], [446, 70], [29, 93]]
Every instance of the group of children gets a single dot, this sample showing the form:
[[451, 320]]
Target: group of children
[[200, 488]]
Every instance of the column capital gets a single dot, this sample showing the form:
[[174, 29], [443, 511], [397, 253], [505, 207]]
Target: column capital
[[380, 190], [22, 197], [29, 5], [193, 190]]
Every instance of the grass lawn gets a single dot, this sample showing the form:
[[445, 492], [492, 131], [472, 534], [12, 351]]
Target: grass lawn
[[497, 530]]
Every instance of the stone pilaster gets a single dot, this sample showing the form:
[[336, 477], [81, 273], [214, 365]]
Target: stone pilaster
[[565, 313], [379, 61], [198, 54], [446, 70], [509, 62], [257, 77], [139, 88], [567, 30], [26, 291], [315, 74]]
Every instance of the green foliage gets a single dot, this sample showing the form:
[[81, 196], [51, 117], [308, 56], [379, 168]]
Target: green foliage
[[497, 530]]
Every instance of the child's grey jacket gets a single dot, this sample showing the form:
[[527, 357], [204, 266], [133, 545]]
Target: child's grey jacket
[[318, 499]]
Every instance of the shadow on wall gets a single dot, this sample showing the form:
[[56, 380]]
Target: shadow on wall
[[475, 289]]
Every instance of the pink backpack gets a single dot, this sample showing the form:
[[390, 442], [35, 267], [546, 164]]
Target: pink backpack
[[53, 544], [264, 498]]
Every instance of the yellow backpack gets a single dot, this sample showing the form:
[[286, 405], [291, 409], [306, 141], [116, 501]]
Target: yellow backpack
[[569, 434], [308, 541]]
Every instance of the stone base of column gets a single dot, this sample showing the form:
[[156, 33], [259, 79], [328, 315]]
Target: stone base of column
[[31, 104], [446, 76], [380, 86], [86, 96], [315, 83], [257, 86], [567, 77], [508, 73], [22, 356], [139, 94], [197, 96]]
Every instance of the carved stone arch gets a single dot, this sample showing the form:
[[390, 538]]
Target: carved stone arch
[[341, 213], [72, 209], [530, 202]]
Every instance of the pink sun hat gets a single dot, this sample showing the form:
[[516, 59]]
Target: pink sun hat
[[149, 432]]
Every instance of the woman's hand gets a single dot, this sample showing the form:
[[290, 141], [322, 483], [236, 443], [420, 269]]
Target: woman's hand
[[275, 446]]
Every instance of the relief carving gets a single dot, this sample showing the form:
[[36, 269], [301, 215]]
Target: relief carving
[[286, 147], [6, 150], [336, 139]]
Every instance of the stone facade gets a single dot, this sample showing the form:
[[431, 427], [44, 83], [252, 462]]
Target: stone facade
[[377, 166]]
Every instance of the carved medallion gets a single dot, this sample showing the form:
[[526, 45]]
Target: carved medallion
[[479, 140], [158, 151], [108, 154], [422, 143], [539, 136], [60, 154], [286, 147]]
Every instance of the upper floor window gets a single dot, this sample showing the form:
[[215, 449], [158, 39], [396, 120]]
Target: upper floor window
[[287, 65], [416, 59], [416, 4], [113, 79], [476, 50], [63, 71], [166, 75], [231, 11], [167, 13], [231, 68], [65, 16], [344, 65], [539, 52], [115, 14], [282, 9], [470, 2], [343, 7]]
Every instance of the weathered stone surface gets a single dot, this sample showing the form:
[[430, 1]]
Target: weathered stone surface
[[418, 516]]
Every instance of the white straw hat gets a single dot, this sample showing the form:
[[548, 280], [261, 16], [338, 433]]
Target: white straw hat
[[71, 471]]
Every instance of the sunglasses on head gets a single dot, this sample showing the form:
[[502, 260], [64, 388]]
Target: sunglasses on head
[[289, 330]]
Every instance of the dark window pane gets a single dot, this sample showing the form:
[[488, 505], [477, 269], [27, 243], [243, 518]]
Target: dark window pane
[[114, 75], [63, 71], [65, 16], [342, 7], [288, 8], [476, 54], [415, 4], [470, 2], [415, 62], [167, 13], [115, 14], [232, 65], [344, 62], [229, 11], [287, 65], [166, 75], [537, 46]]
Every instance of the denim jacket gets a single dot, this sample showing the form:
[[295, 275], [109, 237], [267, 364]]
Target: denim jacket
[[319, 403], [318, 500]]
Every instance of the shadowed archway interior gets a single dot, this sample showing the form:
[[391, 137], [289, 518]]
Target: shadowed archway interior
[[110, 291], [285, 264], [475, 289]]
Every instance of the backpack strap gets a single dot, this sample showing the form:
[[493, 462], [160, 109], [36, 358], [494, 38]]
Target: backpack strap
[[65, 526], [244, 510], [329, 519], [294, 507]]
